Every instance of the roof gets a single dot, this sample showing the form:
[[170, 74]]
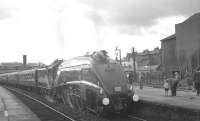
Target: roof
[[194, 17], [128, 56], [169, 37]]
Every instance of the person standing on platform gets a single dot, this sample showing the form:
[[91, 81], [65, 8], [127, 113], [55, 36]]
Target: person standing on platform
[[196, 80], [166, 87], [174, 83], [141, 80], [130, 77]]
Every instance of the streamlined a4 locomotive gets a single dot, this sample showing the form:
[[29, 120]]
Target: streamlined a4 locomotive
[[94, 82]]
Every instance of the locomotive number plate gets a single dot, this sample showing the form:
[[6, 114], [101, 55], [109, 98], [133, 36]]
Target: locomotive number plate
[[118, 89]]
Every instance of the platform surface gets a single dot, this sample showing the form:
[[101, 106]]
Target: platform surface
[[12, 109], [184, 99]]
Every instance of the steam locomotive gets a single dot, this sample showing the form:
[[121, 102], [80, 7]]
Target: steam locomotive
[[94, 82]]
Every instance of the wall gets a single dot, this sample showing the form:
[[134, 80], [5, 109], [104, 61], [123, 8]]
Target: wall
[[188, 42], [169, 59]]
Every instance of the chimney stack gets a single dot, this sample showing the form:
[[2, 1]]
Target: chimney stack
[[24, 60]]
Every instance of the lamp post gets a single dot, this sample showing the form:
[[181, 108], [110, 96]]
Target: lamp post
[[134, 67], [118, 51]]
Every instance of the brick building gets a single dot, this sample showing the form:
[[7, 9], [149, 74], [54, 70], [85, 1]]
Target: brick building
[[169, 57], [145, 61], [181, 51], [188, 42], [148, 60]]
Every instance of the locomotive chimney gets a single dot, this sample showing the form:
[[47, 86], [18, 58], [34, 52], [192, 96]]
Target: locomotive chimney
[[24, 60]]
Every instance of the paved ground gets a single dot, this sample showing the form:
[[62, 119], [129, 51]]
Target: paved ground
[[185, 99], [12, 109]]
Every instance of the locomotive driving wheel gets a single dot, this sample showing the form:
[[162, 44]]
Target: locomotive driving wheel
[[73, 100], [78, 103], [67, 97]]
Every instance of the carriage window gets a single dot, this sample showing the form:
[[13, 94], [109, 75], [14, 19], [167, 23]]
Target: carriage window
[[89, 75]]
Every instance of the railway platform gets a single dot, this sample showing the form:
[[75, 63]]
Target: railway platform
[[154, 105], [12, 109], [184, 99]]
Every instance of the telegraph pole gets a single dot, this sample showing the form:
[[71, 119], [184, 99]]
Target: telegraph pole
[[120, 58], [134, 67]]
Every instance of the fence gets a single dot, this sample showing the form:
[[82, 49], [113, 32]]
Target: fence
[[151, 79], [155, 79]]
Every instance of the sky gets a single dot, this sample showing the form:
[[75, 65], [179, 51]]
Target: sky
[[45, 30]]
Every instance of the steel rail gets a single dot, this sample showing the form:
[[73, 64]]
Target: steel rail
[[138, 118]]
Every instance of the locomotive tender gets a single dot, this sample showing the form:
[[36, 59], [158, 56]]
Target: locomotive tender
[[93, 82]]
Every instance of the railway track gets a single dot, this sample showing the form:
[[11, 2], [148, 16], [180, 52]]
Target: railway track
[[42, 110], [135, 118], [48, 112], [64, 112]]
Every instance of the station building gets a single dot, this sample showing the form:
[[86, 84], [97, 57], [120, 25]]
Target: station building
[[181, 51]]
